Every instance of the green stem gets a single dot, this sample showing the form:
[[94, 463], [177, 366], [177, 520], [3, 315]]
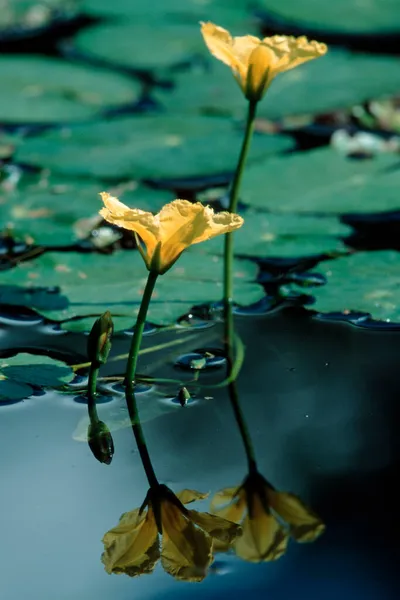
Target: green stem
[[233, 201], [130, 378], [229, 331], [91, 392]]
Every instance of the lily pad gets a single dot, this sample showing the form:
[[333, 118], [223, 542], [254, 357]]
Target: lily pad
[[323, 181], [195, 10], [347, 16], [12, 391], [36, 370], [366, 281], [336, 81], [48, 210], [50, 90], [81, 285], [151, 147], [283, 236]]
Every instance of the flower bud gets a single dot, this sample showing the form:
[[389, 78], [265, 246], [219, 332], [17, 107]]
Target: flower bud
[[183, 396], [99, 341], [100, 442]]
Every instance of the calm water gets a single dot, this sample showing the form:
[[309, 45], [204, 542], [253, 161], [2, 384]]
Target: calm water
[[321, 401]]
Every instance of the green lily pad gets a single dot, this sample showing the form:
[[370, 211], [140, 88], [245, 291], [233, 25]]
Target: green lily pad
[[348, 16], [50, 90], [284, 236], [12, 391], [367, 282], [156, 147], [82, 285], [31, 14], [322, 181], [336, 81], [141, 45], [219, 11], [49, 210], [36, 370]]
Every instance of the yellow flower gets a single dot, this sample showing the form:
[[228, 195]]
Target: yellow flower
[[267, 518], [256, 62], [133, 547], [166, 235]]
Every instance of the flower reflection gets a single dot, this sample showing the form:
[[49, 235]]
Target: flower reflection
[[268, 518], [187, 537]]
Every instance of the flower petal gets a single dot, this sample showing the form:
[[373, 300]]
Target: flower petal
[[290, 52], [184, 223], [132, 219], [263, 538], [220, 43], [186, 496], [186, 550], [305, 525], [218, 528], [132, 547]]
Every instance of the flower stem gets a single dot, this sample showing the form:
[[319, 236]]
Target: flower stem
[[229, 332], [130, 378]]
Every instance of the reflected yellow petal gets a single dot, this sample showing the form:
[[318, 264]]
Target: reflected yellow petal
[[186, 496], [234, 511], [218, 528], [263, 538], [132, 547], [186, 551], [305, 525]]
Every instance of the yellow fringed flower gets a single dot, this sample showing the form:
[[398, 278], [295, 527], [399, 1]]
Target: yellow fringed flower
[[186, 549], [268, 518], [256, 62], [167, 234]]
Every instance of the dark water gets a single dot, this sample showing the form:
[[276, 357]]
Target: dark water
[[321, 401]]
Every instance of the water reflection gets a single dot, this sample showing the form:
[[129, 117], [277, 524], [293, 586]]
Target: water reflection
[[187, 537]]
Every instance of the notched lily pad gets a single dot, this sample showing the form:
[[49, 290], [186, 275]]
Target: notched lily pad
[[151, 147]]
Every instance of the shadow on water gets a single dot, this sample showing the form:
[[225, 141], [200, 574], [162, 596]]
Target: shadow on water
[[321, 399]]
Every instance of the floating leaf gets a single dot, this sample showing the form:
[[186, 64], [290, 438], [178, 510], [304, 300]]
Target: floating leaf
[[165, 146], [50, 90], [366, 281], [18, 16], [12, 391], [81, 285], [323, 181], [273, 235], [347, 16], [35, 370]]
